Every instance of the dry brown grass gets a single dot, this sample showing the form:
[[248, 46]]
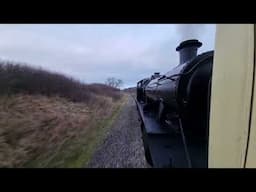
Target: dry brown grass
[[45, 116], [31, 125]]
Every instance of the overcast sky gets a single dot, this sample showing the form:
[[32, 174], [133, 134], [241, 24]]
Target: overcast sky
[[94, 52]]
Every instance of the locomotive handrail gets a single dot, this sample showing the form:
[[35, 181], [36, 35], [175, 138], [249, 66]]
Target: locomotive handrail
[[164, 76]]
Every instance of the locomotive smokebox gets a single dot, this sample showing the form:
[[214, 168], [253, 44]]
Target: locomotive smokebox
[[188, 50]]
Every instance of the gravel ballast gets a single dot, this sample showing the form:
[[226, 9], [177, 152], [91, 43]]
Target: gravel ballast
[[122, 147]]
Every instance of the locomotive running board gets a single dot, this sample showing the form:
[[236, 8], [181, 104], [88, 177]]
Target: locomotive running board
[[166, 150]]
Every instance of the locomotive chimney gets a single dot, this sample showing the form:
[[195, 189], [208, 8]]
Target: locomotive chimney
[[156, 74], [188, 50]]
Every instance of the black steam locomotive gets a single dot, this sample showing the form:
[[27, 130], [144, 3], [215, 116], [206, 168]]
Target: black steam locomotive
[[174, 110]]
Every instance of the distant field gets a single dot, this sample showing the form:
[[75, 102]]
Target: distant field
[[49, 120]]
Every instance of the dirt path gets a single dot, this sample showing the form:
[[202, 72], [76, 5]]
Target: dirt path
[[123, 146]]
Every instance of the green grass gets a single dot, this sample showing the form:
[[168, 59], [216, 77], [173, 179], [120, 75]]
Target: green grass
[[77, 153]]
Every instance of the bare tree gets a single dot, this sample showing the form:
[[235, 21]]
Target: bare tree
[[119, 83], [113, 82]]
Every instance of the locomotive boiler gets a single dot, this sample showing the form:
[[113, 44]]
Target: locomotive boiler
[[174, 110]]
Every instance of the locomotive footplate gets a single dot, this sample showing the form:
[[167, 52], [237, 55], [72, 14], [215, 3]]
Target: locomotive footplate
[[164, 149]]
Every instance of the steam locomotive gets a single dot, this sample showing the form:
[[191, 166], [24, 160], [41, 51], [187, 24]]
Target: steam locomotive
[[174, 110]]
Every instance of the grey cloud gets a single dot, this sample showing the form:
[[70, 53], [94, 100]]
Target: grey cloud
[[93, 53]]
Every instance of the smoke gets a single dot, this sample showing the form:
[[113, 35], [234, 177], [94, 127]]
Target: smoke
[[190, 31]]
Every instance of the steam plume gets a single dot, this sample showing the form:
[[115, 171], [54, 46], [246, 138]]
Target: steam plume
[[190, 31]]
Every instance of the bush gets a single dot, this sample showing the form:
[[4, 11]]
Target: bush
[[17, 78]]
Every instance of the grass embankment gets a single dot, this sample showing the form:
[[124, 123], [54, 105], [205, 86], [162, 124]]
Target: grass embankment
[[37, 131], [49, 120], [76, 153]]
